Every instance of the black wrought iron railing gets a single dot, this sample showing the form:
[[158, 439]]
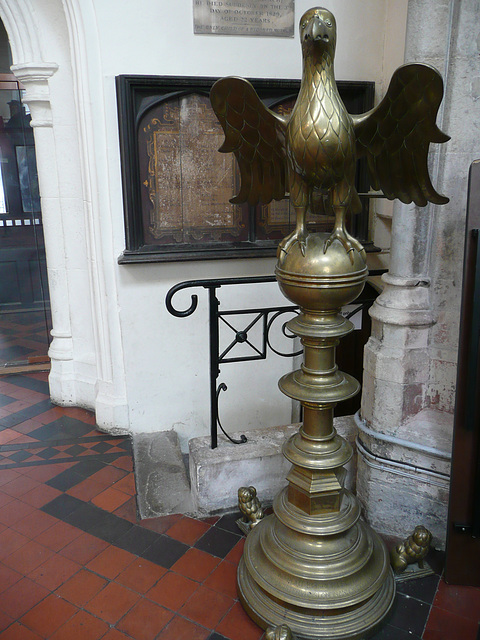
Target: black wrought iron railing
[[254, 318]]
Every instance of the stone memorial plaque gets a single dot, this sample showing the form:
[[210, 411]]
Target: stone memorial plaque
[[244, 17]]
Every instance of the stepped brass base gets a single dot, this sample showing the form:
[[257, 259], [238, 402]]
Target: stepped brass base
[[329, 577], [353, 623], [314, 565]]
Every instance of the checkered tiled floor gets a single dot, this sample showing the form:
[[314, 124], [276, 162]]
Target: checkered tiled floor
[[76, 563]]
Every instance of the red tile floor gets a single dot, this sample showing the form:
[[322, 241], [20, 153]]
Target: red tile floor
[[75, 562]]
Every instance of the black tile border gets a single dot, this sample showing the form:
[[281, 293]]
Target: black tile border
[[228, 522], [5, 400], [25, 414], [57, 443], [62, 428], [103, 524], [62, 506], [88, 465], [387, 632], [409, 614], [218, 542], [33, 384], [165, 551], [137, 540], [20, 456], [106, 457], [83, 469], [406, 621], [423, 589], [47, 453], [65, 480]]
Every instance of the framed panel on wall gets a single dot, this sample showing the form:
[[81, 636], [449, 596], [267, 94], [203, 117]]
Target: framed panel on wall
[[177, 186]]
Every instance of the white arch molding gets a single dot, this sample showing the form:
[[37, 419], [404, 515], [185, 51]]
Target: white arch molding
[[84, 321]]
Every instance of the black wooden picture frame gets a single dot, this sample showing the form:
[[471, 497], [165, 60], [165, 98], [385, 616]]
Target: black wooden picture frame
[[137, 96]]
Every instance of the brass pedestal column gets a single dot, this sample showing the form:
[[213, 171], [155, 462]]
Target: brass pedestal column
[[313, 564]]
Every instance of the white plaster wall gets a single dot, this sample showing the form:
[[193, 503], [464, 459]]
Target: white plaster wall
[[140, 368]]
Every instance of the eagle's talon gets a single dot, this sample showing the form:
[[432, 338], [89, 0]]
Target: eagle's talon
[[349, 244], [328, 242], [287, 243], [284, 245]]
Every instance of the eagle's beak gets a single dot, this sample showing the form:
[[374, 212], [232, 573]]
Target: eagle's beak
[[317, 30]]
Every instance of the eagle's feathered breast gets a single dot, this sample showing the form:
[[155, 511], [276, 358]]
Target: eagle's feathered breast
[[320, 139], [315, 149]]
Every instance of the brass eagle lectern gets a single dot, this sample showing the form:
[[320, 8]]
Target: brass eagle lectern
[[313, 564]]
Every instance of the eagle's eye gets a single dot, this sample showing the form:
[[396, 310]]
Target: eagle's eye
[[328, 22]]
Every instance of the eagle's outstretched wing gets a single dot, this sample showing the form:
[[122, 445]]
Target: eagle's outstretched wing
[[395, 135], [256, 136]]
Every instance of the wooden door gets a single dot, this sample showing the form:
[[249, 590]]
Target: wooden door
[[463, 533]]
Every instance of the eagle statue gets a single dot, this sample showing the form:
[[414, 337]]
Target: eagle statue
[[311, 154]]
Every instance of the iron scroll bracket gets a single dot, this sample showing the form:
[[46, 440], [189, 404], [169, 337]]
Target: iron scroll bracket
[[264, 316]]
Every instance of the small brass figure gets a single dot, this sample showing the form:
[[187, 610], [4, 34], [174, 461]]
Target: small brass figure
[[413, 549], [312, 153], [282, 632], [250, 506]]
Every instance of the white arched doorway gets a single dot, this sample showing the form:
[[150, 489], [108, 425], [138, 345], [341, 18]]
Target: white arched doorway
[[50, 59]]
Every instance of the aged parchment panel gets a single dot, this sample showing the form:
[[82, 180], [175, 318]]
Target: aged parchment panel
[[189, 183]]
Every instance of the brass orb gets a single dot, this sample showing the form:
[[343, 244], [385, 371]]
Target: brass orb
[[321, 281]]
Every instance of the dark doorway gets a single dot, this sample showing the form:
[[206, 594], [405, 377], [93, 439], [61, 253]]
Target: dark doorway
[[25, 321]]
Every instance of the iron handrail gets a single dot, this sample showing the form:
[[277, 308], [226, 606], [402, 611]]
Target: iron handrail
[[267, 315]]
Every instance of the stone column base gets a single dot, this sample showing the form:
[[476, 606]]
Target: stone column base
[[398, 496]]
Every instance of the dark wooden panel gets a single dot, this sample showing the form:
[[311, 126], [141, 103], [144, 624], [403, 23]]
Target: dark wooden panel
[[156, 193], [463, 548]]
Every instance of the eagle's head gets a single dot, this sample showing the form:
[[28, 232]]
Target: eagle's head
[[318, 32]]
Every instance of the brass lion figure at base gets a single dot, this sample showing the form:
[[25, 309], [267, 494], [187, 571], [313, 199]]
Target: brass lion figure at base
[[250, 506], [413, 549]]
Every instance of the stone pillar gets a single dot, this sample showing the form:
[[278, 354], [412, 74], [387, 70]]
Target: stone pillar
[[35, 78], [406, 421]]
